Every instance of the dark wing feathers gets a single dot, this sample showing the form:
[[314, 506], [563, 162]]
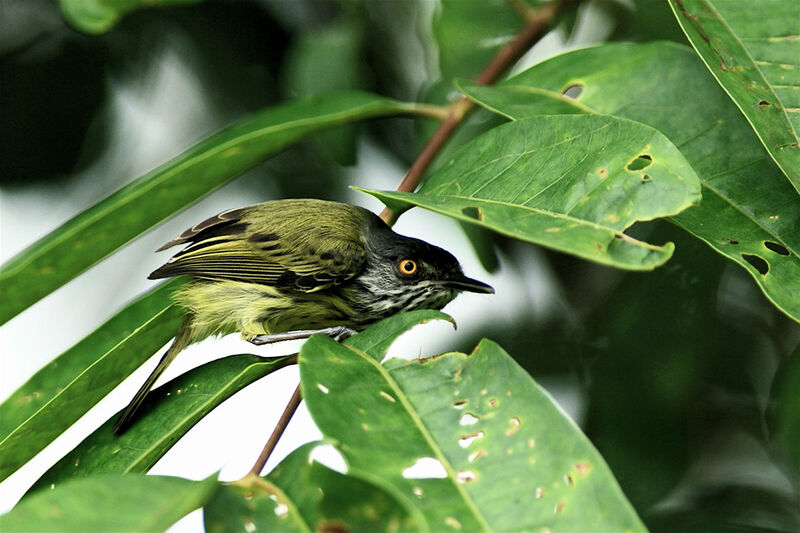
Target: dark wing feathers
[[303, 245]]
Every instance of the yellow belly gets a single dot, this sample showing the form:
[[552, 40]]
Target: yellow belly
[[223, 307]]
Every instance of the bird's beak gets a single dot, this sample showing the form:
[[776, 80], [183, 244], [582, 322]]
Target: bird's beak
[[468, 284]]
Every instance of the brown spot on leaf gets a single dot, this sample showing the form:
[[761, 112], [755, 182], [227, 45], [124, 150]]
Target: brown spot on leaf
[[582, 467]]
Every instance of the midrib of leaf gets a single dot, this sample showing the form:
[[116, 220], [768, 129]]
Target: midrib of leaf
[[428, 437], [754, 62], [138, 188], [553, 214], [81, 374]]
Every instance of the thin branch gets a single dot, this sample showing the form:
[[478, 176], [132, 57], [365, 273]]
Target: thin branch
[[280, 427], [537, 21]]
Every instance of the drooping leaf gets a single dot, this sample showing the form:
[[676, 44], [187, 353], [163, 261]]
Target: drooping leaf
[[60, 393], [99, 16], [569, 182], [95, 233], [749, 212], [505, 457], [303, 495], [755, 56], [110, 503], [167, 414]]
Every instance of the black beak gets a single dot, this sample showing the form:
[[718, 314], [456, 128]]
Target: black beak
[[468, 284]]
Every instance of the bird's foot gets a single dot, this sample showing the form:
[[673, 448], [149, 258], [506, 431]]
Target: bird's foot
[[337, 333]]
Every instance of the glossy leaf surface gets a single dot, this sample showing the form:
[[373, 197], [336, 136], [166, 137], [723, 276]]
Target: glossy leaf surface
[[166, 415], [93, 234], [61, 392], [504, 457], [567, 182], [753, 50], [749, 212]]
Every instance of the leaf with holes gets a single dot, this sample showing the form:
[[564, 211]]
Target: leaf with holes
[[756, 59], [103, 228], [573, 183], [470, 442], [110, 503], [167, 414], [282, 501], [63, 391], [749, 211]]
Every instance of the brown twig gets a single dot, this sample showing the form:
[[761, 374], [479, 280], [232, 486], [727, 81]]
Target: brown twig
[[537, 21], [291, 407]]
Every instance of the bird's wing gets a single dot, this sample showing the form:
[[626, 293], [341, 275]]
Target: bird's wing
[[293, 244]]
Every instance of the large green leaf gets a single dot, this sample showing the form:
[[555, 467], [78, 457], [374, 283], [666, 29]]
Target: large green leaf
[[106, 226], [303, 495], [110, 503], [60, 393], [509, 459], [749, 212], [572, 183], [167, 414], [99, 16], [753, 50]]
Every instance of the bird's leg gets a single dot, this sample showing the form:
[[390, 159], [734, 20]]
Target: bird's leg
[[337, 333]]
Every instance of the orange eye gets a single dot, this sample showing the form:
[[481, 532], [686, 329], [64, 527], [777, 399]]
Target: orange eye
[[407, 266]]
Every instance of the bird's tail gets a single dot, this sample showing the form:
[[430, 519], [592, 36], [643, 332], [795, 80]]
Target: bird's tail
[[182, 340]]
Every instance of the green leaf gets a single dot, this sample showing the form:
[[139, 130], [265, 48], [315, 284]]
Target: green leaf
[[110, 503], [377, 339], [303, 495], [511, 460], [99, 16], [567, 182], [60, 393], [95, 233], [756, 59], [749, 212], [167, 414], [255, 505]]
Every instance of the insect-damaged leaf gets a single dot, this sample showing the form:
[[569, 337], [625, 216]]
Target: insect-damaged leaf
[[574, 183], [303, 495], [757, 60], [501, 455], [749, 211]]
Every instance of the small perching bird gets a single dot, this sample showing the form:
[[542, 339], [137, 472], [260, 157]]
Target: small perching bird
[[287, 269]]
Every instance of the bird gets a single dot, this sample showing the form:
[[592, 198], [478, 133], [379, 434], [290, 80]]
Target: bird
[[287, 269]]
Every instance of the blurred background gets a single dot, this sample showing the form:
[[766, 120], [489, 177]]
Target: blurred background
[[670, 373]]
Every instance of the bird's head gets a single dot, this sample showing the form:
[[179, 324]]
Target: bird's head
[[410, 274]]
